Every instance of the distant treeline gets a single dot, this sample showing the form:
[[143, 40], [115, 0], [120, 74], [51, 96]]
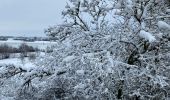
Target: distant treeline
[[6, 50], [28, 39]]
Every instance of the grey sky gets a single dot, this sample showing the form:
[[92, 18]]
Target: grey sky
[[29, 17]]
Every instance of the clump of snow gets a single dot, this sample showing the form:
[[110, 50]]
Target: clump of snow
[[160, 35], [163, 25], [147, 36], [68, 58], [168, 10], [118, 5], [129, 3], [79, 86], [106, 90], [67, 42], [80, 72]]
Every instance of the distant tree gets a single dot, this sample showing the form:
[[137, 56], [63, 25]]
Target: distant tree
[[5, 51], [24, 49]]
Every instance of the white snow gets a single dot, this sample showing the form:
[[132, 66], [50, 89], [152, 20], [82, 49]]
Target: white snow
[[118, 5], [69, 58], [147, 36], [160, 35], [163, 25], [67, 42], [129, 3], [168, 10], [18, 63], [6, 98], [2, 70], [160, 80], [106, 90], [80, 72], [79, 86]]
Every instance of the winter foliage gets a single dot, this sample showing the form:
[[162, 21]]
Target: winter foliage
[[101, 57]]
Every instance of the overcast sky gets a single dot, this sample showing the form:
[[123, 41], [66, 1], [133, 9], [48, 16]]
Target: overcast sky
[[29, 17]]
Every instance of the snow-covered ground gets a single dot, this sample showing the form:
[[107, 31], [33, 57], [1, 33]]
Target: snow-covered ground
[[26, 64], [37, 44]]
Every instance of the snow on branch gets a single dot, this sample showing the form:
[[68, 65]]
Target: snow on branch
[[168, 10], [147, 36], [163, 25], [158, 17], [7, 71]]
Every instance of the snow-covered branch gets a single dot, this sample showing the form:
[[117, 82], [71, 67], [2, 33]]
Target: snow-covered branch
[[157, 17]]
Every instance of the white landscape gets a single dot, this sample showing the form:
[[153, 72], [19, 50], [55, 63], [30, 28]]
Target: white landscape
[[37, 44], [103, 50]]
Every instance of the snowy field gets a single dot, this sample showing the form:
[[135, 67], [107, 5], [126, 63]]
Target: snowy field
[[27, 64], [37, 44], [16, 61]]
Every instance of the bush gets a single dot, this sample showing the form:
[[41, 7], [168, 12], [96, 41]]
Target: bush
[[25, 48], [5, 51]]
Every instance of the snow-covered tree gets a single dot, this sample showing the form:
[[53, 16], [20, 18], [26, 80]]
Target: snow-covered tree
[[124, 56], [87, 15]]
